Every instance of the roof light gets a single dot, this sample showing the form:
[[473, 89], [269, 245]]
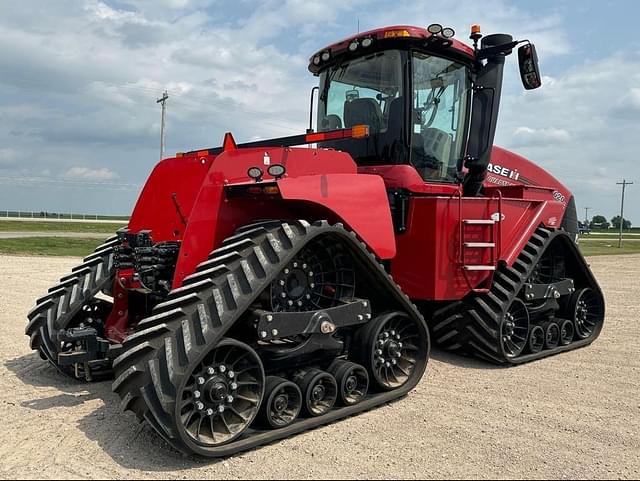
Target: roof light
[[353, 46], [367, 42], [448, 32], [434, 28], [316, 60], [326, 56], [396, 33]]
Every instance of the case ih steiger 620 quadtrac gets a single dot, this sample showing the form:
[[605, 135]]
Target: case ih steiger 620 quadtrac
[[260, 290]]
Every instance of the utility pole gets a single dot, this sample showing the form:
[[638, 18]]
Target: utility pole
[[163, 101], [586, 216], [624, 185]]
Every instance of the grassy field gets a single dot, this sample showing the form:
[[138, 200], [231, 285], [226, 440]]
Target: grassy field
[[50, 246], [602, 247], [58, 246], [44, 226]]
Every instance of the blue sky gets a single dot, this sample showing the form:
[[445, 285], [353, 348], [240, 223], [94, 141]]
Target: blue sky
[[79, 126]]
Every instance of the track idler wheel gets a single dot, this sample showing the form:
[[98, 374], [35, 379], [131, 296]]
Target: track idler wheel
[[282, 403], [319, 392], [393, 348], [551, 335], [587, 309], [515, 329], [221, 397], [536, 339], [352, 380], [567, 332]]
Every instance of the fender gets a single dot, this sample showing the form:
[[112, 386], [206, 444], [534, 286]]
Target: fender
[[305, 193]]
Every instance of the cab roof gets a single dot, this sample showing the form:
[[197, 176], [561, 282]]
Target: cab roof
[[381, 37]]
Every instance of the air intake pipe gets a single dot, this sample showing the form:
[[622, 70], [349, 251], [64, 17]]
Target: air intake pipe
[[487, 89]]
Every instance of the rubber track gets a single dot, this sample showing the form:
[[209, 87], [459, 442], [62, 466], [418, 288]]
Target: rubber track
[[195, 317], [472, 326], [54, 310]]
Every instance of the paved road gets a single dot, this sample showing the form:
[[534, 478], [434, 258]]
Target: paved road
[[76, 235]]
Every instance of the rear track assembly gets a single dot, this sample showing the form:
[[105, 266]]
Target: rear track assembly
[[551, 280], [58, 318]]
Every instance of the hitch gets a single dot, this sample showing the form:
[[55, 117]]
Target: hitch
[[88, 347]]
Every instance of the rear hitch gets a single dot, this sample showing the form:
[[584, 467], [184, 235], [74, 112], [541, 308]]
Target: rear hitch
[[87, 347]]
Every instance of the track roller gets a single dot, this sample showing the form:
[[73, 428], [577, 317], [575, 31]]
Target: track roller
[[536, 339], [319, 391], [352, 380], [551, 335], [392, 348], [281, 404], [567, 331]]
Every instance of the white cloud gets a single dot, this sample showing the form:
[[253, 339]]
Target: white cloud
[[86, 173], [8, 158], [524, 136]]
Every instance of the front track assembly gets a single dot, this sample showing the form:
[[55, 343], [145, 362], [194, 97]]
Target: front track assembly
[[286, 327], [546, 303]]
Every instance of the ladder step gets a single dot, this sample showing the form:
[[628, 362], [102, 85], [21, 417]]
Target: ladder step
[[479, 268], [480, 245], [479, 222]]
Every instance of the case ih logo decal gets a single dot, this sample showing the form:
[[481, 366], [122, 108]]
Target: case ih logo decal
[[503, 171]]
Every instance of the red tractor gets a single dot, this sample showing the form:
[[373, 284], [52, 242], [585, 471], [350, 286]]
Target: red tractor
[[261, 290]]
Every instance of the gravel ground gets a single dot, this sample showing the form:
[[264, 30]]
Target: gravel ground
[[573, 416]]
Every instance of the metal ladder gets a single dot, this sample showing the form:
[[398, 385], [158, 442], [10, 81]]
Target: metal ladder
[[492, 244]]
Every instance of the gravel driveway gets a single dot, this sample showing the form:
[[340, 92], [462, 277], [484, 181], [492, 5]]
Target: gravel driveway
[[574, 415]]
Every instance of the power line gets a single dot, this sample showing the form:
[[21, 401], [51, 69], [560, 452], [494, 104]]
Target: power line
[[624, 185]]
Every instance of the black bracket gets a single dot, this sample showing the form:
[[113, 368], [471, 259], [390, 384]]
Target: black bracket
[[554, 290], [89, 347], [277, 325]]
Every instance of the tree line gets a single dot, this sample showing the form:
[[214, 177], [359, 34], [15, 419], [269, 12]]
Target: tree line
[[601, 222]]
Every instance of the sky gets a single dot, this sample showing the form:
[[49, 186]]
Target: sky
[[79, 79]]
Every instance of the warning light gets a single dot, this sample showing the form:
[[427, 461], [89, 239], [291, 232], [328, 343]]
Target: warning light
[[360, 131], [475, 29], [396, 33]]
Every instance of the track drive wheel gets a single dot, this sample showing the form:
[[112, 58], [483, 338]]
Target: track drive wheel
[[282, 403], [319, 392], [393, 348], [587, 310], [353, 382], [221, 396]]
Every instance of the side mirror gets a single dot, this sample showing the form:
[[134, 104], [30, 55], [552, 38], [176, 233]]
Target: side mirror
[[529, 68]]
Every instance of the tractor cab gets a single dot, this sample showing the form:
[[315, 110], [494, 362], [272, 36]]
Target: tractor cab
[[415, 89]]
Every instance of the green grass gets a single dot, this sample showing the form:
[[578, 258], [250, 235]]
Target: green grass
[[604, 247], [49, 246], [43, 226], [74, 247]]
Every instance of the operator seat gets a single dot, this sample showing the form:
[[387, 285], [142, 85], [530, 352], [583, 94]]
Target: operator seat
[[363, 111], [437, 144]]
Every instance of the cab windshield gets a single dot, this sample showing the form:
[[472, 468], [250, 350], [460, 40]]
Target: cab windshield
[[373, 91]]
